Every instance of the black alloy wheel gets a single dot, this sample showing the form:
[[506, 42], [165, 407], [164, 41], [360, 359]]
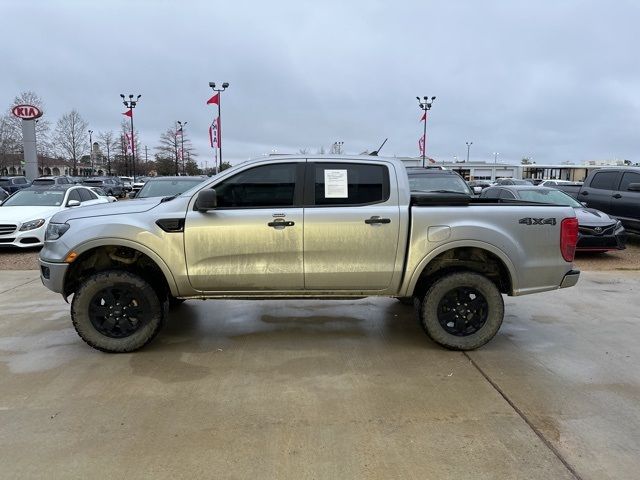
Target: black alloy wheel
[[119, 311], [462, 311]]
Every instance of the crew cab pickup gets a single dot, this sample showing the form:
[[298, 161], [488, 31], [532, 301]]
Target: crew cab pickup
[[312, 227], [615, 191]]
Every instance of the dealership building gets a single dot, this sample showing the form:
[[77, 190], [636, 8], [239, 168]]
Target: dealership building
[[492, 170]]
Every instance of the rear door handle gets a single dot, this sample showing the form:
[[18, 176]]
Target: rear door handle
[[584, 193], [617, 195], [374, 220], [280, 223]]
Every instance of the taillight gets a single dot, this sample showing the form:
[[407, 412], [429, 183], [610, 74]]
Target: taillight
[[568, 238]]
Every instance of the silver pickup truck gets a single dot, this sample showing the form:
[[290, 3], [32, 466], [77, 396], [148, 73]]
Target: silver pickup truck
[[313, 227]]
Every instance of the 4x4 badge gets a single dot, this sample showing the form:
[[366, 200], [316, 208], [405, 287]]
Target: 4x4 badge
[[537, 221]]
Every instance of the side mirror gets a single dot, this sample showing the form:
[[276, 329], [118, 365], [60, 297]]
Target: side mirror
[[634, 187], [584, 204], [207, 200], [132, 194], [73, 203]]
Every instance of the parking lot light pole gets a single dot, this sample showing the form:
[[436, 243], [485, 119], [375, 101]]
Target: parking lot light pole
[[225, 85], [182, 125], [495, 157], [468, 149], [425, 105], [131, 104]]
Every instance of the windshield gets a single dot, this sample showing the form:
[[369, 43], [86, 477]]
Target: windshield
[[43, 181], [92, 182], [32, 198], [4, 182], [166, 188], [555, 197], [431, 182]]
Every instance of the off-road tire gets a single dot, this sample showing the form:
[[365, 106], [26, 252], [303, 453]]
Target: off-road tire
[[428, 312], [93, 285]]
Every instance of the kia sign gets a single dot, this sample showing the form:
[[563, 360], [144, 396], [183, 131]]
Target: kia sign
[[26, 112]]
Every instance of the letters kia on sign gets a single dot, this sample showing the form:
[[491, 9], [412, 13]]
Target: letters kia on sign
[[26, 112]]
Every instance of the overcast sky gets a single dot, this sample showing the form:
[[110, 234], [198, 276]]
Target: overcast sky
[[551, 80]]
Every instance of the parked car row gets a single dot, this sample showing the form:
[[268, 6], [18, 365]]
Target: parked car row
[[597, 231], [25, 214]]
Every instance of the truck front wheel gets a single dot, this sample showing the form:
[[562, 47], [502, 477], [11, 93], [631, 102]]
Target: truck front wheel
[[462, 311], [117, 311]]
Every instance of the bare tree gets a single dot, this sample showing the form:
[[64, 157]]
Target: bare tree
[[108, 142], [321, 151], [170, 146], [9, 143], [71, 137], [303, 151]]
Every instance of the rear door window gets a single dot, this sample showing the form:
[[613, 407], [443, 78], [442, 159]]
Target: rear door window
[[348, 184], [627, 179], [506, 194]]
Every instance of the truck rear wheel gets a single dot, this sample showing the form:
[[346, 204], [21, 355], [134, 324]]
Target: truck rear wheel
[[117, 311], [462, 311]]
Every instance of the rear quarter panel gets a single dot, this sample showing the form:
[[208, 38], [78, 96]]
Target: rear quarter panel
[[531, 253]]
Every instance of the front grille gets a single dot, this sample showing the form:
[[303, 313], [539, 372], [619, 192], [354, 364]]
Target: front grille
[[6, 229], [606, 230], [7, 240]]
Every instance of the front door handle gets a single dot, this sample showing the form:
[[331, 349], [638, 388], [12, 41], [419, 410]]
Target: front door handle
[[584, 193], [374, 220], [281, 223], [617, 195]]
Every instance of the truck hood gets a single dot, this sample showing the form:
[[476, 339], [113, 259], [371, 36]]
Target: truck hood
[[593, 217], [24, 214], [104, 209]]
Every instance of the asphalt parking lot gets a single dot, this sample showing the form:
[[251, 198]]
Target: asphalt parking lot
[[310, 389]]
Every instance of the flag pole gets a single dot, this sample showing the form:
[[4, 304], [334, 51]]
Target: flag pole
[[225, 85]]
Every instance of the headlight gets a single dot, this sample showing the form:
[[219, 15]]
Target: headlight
[[32, 224], [55, 231]]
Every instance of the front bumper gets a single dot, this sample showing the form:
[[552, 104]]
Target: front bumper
[[26, 239], [616, 240], [52, 275], [570, 279]]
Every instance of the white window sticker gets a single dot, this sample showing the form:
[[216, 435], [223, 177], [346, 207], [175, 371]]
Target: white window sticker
[[336, 184]]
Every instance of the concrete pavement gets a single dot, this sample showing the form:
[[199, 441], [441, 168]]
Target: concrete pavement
[[311, 389]]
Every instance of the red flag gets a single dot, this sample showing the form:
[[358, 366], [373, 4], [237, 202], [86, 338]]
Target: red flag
[[128, 113], [214, 100], [421, 145], [424, 117]]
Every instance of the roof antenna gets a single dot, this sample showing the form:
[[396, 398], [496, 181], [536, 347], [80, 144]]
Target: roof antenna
[[375, 152]]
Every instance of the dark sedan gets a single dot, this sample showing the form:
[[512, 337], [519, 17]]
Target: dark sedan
[[13, 184], [598, 232], [110, 185]]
